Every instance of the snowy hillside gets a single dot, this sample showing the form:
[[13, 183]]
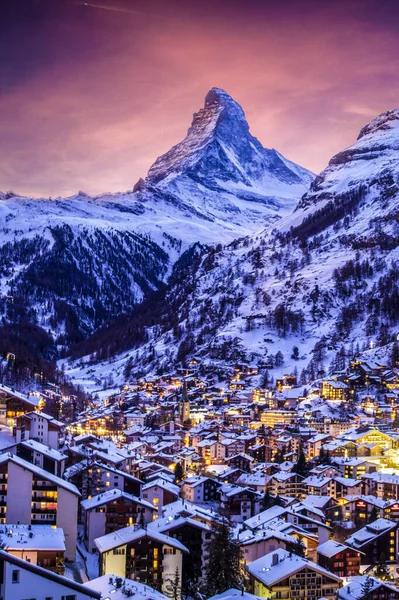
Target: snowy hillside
[[72, 264], [321, 285]]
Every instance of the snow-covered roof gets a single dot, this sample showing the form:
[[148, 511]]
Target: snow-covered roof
[[286, 564], [331, 548], [32, 537], [234, 593], [370, 532], [110, 496], [43, 449], [131, 534], [109, 587], [163, 484], [355, 588]]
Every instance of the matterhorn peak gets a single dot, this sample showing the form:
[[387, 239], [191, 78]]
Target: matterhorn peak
[[220, 152]]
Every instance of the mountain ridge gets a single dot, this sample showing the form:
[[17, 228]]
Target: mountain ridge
[[324, 280]]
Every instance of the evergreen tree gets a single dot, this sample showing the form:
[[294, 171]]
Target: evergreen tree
[[179, 472], [301, 466], [224, 569], [374, 515], [266, 501], [173, 586], [299, 547], [382, 571]]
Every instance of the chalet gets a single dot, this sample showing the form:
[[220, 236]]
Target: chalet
[[339, 559], [46, 458], [286, 484], [240, 461], [199, 489], [42, 545], [160, 492], [376, 589], [146, 556], [110, 511], [195, 535], [282, 574], [375, 539], [239, 502]]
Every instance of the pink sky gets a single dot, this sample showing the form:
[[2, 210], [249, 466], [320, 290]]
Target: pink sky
[[89, 97]]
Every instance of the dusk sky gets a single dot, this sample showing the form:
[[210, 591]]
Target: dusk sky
[[91, 94]]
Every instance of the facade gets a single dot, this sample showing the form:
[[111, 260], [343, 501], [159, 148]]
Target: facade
[[143, 555], [281, 574], [33, 496], [339, 559], [40, 427], [111, 511], [375, 540]]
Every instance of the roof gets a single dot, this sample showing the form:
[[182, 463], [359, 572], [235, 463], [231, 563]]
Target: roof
[[370, 532], [131, 534], [233, 593], [110, 496], [46, 574], [287, 564], [331, 548], [354, 590], [32, 537], [107, 587], [43, 449], [165, 485], [4, 458]]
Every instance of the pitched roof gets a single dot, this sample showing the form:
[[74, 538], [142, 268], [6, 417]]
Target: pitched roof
[[131, 534]]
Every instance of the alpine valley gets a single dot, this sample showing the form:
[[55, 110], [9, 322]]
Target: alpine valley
[[226, 250]]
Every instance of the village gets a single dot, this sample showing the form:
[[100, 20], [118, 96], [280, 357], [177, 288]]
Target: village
[[202, 484]]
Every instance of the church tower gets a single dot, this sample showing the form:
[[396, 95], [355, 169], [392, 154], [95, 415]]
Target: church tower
[[184, 405]]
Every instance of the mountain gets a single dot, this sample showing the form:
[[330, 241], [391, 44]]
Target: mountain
[[319, 287], [69, 265]]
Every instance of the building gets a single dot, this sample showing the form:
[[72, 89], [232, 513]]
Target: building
[[22, 579], [33, 496], [339, 559], [200, 489], [334, 390], [42, 456], [375, 540], [146, 556], [14, 404], [160, 492], [42, 545], [40, 427], [281, 574], [378, 590], [111, 511]]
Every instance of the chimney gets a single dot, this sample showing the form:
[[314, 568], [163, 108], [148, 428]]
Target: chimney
[[274, 559]]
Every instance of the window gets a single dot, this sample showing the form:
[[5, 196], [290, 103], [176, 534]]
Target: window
[[15, 576], [69, 597]]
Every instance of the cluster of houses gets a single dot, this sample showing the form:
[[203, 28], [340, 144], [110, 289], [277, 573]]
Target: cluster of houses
[[137, 485]]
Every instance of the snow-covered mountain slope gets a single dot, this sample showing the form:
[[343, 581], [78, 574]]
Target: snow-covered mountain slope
[[71, 264], [325, 280]]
